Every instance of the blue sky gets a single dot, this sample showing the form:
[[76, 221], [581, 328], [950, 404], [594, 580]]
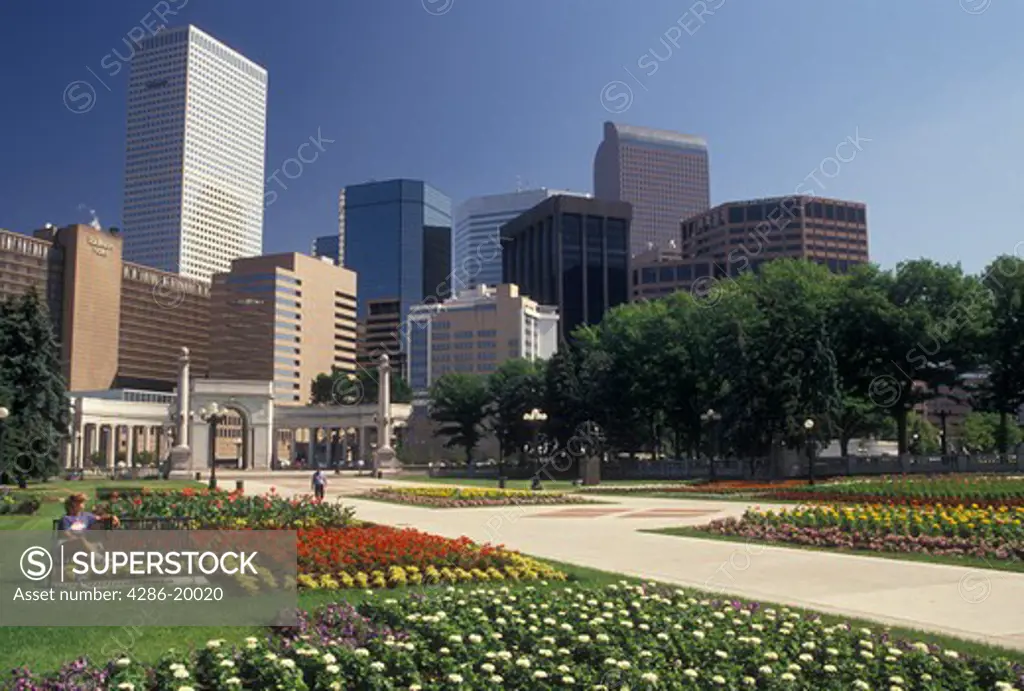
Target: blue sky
[[473, 94]]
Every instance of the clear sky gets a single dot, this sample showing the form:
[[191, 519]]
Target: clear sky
[[472, 94]]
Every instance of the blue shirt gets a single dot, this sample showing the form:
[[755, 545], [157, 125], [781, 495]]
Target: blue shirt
[[83, 521]]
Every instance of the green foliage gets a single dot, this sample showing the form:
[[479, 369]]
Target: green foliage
[[515, 388], [983, 433], [460, 403], [341, 387], [33, 389], [924, 436]]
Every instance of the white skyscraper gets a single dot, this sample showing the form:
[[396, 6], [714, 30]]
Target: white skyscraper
[[476, 249], [197, 120]]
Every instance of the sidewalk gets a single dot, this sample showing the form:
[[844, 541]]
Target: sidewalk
[[982, 605]]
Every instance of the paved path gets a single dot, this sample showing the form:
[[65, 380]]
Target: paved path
[[982, 605]]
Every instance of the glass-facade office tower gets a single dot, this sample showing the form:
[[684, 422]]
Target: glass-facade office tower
[[573, 253], [197, 115], [328, 246], [476, 248], [664, 175], [397, 238]]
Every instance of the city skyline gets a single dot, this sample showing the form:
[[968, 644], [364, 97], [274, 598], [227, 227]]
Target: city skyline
[[471, 148]]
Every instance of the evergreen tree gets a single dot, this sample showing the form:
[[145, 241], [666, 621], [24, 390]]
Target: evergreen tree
[[30, 377]]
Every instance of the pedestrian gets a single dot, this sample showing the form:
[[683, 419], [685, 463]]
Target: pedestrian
[[360, 465], [319, 484]]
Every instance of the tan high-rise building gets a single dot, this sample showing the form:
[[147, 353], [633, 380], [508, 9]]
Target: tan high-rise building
[[120, 325], [475, 332], [283, 317], [381, 332]]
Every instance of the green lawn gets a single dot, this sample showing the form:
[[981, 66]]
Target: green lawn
[[968, 562], [47, 648]]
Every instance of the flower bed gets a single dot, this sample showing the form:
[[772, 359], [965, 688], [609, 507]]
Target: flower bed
[[725, 487], [591, 638], [231, 510], [462, 497], [375, 556], [984, 490], [987, 533]]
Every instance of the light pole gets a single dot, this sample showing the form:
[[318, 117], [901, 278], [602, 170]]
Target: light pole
[[943, 414], [535, 419], [915, 444], [809, 428], [4, 414], [710, 418], [213, 415]]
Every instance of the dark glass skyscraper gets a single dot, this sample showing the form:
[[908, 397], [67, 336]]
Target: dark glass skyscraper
[[664, 175], [392, 232], [396, 236], [571, 252]]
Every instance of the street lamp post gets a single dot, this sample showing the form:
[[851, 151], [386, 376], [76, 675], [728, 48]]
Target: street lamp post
[[4, 414], [943, 414], [213, 415], [535, 419], [809, 428], [710, 418]]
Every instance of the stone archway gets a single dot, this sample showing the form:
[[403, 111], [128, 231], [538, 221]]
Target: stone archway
[[253, 401]]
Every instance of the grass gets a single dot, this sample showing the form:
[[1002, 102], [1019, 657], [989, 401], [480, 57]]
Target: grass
[[44, 649], [47, 648], [967, 562]]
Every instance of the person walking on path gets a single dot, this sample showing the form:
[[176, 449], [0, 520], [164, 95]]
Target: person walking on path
[[319, 483]]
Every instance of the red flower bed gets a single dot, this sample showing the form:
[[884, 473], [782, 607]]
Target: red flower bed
[[376, 547]]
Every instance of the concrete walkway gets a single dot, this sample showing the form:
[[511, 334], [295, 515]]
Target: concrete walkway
[[982, 605]]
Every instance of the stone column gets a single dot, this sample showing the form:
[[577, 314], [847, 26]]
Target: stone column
[[314, 433], [111, 446], [384, 456], [180, 459], [129, 454]]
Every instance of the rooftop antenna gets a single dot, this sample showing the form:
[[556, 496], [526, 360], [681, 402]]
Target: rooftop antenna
[[519, 183]]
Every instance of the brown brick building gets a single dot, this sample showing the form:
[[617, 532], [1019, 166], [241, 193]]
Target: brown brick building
[[120, 325], [738, 236]]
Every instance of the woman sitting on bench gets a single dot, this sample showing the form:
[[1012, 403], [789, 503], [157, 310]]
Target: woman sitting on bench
[[77, 519]]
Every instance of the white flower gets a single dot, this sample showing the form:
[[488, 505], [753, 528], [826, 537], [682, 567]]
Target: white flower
[[951, 654], [523, 662], [699, 635], [804, 657], [718, 679], [329, 659], [921, 647], [649, 677], [377, 666], [623, 664], [455, 638], [540, 674], [690, 673], [749, 681], [721, 655], [444, 651], [786, 676], [181, 674], [126, 685], [287, 663], [227, 663], [497, 679], [361, 652], [185, 688], [771, 656], [233, 681], [862, 685], [765, 670], [332, 669], [455, 678], [568, 681], [216, 643], [487, 667], [831, 669], [584, 638], [123, 662], [474, 638]]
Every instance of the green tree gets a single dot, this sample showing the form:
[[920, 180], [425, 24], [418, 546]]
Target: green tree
[[924, 436], [516, 388], [1001, 342], [982, 433], [460, 402], [30, 374], [342, 387]]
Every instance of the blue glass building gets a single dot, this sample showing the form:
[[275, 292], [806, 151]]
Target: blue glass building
[[394, 239]]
